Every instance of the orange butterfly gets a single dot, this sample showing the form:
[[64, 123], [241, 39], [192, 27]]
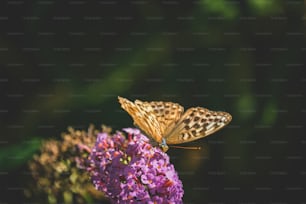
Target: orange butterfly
[[166, 122]]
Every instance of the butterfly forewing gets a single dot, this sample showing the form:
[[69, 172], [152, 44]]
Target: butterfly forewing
[[196, 123], [166, 113], [144, 118]]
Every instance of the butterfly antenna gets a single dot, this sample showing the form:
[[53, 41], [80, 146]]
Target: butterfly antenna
[[184, 147]]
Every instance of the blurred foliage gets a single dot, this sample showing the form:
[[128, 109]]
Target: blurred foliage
[[13, 156], [221, 8], [67, 67], [262, 7]]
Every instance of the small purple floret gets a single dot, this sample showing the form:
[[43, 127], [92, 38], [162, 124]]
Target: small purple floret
[[132, 171]]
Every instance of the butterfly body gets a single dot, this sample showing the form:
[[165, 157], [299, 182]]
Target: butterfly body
[[167, 123]]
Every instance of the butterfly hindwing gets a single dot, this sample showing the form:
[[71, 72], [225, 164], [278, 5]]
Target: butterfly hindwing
[[196, 123], [166, 113], [144, 118]]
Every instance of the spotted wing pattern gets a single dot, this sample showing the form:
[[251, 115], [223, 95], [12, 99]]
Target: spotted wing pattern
[[166, 113], [196, 123]]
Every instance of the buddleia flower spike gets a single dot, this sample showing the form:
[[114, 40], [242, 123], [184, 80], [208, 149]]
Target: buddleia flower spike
[[132, 170]]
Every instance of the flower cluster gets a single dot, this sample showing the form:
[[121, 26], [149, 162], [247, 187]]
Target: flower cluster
[[132, 171], [59, 170]]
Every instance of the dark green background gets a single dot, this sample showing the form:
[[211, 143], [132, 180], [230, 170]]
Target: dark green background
[[63, 63]]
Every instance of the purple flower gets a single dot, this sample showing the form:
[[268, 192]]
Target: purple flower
[[132, 171]]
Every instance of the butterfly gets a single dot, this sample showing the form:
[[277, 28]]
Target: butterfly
[[167, 123]]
